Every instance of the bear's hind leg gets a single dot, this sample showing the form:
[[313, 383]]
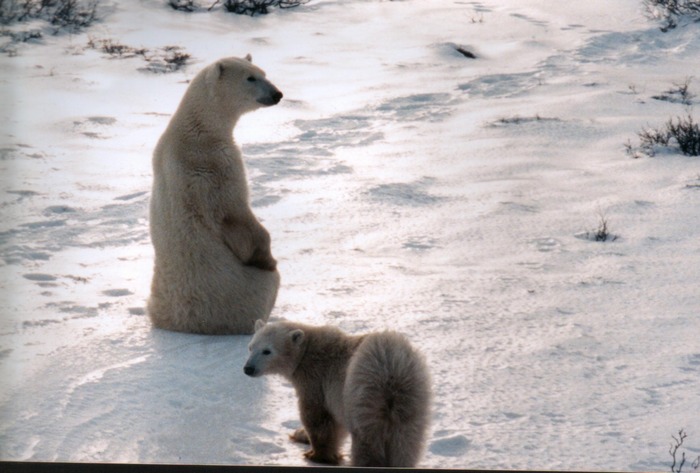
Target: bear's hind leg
[[368, 452]]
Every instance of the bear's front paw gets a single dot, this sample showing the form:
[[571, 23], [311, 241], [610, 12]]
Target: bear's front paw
[[323, 457], [262, 260]]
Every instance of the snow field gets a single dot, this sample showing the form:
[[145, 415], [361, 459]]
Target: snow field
[[406, 187]]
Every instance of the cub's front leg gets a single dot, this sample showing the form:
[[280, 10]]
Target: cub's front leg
[[324, 434], [249, 241], [300, 436]]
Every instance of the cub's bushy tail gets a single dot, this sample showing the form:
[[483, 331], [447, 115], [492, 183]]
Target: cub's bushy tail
[[387, 402]]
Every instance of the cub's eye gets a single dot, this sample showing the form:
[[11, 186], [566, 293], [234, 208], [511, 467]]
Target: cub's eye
[[266, 352], [251, 79]]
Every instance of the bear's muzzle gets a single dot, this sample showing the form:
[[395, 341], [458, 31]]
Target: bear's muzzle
[[271, 99]]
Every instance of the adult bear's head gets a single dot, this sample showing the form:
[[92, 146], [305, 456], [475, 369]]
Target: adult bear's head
[[238, 86]]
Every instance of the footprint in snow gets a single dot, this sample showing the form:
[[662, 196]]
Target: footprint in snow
[[117, 292], [500, 85], [453, 446], [693, 363], [529, 19], [131, 196], [23, 193], [58, 210], [92, 126], [400, 193], [39, 277]]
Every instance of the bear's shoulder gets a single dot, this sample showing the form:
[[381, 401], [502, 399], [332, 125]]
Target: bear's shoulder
[[327, 351]]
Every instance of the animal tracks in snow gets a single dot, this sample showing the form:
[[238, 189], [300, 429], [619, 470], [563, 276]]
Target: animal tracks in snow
[[117, 292], [501, 85], [400, 193], [312, 152], [691, 364], [94, 127], [41, 278], [70, 227], [450, 446]]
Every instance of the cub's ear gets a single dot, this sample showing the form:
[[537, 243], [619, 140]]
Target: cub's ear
[[249, 58], [259, 324], [296, 336]]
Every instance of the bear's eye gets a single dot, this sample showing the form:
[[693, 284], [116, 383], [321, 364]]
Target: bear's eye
[[266, 352], [251, 79]]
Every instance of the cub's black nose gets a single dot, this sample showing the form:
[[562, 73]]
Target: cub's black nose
[[249, 370], [277, 96]]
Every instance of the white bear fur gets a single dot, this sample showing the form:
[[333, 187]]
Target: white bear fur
[[374, 386], [214, 272]]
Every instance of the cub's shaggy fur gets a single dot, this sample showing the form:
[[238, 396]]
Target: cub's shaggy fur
[[214, 272], [374, 386]]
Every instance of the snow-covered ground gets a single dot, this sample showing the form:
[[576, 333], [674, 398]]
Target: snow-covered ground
[[405, 186]]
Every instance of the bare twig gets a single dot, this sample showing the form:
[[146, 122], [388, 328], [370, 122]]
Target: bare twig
[[678, 463]]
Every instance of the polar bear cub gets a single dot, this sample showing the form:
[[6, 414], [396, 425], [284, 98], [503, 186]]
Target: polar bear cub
[[214, 272], [375, 386]]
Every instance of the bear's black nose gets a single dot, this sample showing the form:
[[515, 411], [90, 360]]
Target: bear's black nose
[[249, 370], [273, 98]]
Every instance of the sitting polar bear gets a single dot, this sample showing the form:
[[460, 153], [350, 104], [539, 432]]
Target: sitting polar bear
[[374, 386], [214, 272]]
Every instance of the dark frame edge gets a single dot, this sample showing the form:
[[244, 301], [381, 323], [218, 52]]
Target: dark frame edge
[[78, 467]]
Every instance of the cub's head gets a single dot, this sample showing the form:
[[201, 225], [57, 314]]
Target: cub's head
[[274, 349], [236, 83]]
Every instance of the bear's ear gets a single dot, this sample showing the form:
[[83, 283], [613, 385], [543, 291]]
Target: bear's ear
[[214, 71], [259, 324], [219, 69], [296, 336], [249, 58]]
